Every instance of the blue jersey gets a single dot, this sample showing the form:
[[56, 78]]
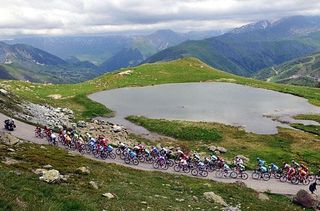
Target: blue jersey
[[261, 162], [274, 168]]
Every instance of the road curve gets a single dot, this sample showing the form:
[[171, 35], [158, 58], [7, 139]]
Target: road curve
[[26, 132]]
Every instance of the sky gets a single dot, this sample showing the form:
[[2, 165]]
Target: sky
[[68, 17]]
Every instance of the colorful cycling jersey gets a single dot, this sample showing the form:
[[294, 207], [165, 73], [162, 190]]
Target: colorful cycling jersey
[[110, 148], [295, 164], [261, 162], [214, 158], [242, 167], [132, 154], [239, 161], [92, 141], [263, 169], [226, 167], [274, 167], [155, 150], [147, 152]]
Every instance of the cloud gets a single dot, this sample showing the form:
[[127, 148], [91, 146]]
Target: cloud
[[57, 17]]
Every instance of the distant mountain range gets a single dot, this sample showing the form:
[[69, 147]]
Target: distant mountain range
[[302, 71], [24, 62], [75, 59], [99, 49], [248, 49]]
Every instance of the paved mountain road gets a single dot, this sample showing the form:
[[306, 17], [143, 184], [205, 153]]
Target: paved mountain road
[[26, 132]]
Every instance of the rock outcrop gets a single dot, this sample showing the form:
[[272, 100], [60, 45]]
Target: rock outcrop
[[307, 200], [51, 176], [9, 139], [46, 115], [214, 198]]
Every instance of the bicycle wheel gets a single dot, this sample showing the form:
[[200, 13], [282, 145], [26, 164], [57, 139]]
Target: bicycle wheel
[[186, 169], [136, 162], [155, 165], [194, 172], [112, 155], [170, 163], [234, 175], [311, 177], [127, 160], [204, 173], [103, 156], [294, 181], [306, 182], [141, 158], [177, 168], [244, 176], [283, 178], [122, 156], [266, 176], [277, 175], [118, 151], [256, 175], [164, 166], [150, 160], [97, 154]]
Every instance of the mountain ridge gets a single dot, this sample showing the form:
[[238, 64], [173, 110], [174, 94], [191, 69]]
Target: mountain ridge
[[253, 47]]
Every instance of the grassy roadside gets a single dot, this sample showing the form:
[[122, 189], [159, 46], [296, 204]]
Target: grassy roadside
[[288, 144], [314, 129], [20, 189], [313, 117], [179, 71]]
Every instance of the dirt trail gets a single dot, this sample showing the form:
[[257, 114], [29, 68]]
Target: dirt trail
[[26, 132]]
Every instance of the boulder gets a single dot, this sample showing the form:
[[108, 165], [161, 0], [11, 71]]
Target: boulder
[[212, 197], [83, 170], [244, 158], [306, 199], [263, 197], [116, 128], [222, 149], [108, 195], [94, 185], [8, 138], [212, 148], [81, 124], [51, 176]]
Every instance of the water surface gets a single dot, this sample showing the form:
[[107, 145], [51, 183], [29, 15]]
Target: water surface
[[210, 102]]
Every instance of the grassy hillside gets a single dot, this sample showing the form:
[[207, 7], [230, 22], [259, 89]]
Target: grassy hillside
[[302, 71], [20, 189], [179, 71], [282, 147]]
